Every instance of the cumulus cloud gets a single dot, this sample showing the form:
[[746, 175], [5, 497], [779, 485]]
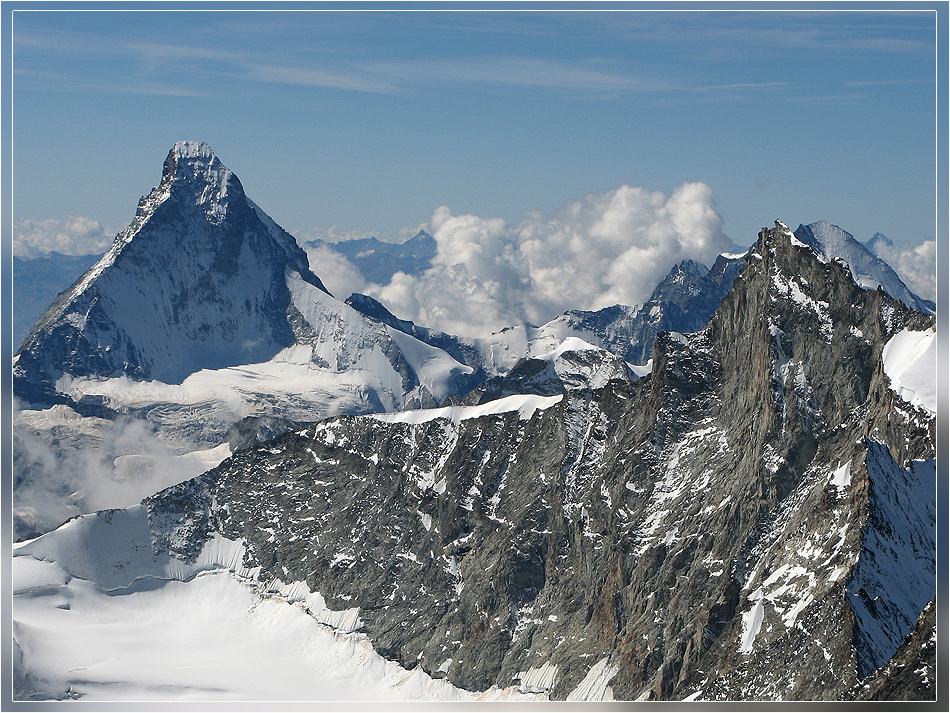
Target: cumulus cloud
[[607, 248], [337, 273], [74, 235], [916, 266]]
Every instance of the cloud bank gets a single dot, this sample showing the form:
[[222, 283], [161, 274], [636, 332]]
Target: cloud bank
[[71, 236], [82, 472], [917, 266], [607, 248], [336, 273]]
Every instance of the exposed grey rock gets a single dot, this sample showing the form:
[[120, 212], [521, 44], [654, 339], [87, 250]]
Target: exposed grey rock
[[703, 532]]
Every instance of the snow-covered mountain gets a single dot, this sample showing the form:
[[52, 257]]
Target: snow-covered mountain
[[753, 519], [832, 243], [201, 282]]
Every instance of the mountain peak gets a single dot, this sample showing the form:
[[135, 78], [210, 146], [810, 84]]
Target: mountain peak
[[192, 167], [192, 149], [831, 242], [209, 275], [692, 267], [192, 153], [877, 239]]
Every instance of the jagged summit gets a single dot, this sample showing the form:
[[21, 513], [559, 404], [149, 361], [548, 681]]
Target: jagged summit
[[191, 149], [192, 166]]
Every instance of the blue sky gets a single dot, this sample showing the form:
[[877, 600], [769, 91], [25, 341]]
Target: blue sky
[[367, 121]]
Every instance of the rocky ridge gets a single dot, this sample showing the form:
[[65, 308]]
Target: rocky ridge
[[687, 535]]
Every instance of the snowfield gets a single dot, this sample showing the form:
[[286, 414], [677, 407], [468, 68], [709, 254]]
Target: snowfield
[[207, 638], [98, 616], [524, 404]]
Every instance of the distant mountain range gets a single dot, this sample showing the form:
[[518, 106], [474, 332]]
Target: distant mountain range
[[378, 261]]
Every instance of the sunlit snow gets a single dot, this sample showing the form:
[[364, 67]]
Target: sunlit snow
[[910, 362], [524, 404], [118, 622]]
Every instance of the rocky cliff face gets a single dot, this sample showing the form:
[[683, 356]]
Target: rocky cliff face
[[753, 520]]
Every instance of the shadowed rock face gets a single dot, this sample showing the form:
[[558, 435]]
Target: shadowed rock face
[[707, 531], [912, 673]]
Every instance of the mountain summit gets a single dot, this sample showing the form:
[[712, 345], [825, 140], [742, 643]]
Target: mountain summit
[[201, 281], [197, 281], [868, 270]]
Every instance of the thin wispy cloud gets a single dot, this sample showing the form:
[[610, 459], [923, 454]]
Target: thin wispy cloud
[[70, 83], [517, 71], [747, 36], [889, 82], [150, 67], [281, 74], [828, 99]]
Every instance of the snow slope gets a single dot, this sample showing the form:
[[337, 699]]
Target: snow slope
[[910, 362], [867, 269], [524, 404], [99, 616]]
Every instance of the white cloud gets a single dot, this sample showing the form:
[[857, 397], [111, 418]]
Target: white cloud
[[72, 236], [607, 248], [916, 266], [337, 273]]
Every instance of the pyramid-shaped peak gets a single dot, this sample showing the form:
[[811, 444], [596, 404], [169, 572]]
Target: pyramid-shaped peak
[[691, 267]]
